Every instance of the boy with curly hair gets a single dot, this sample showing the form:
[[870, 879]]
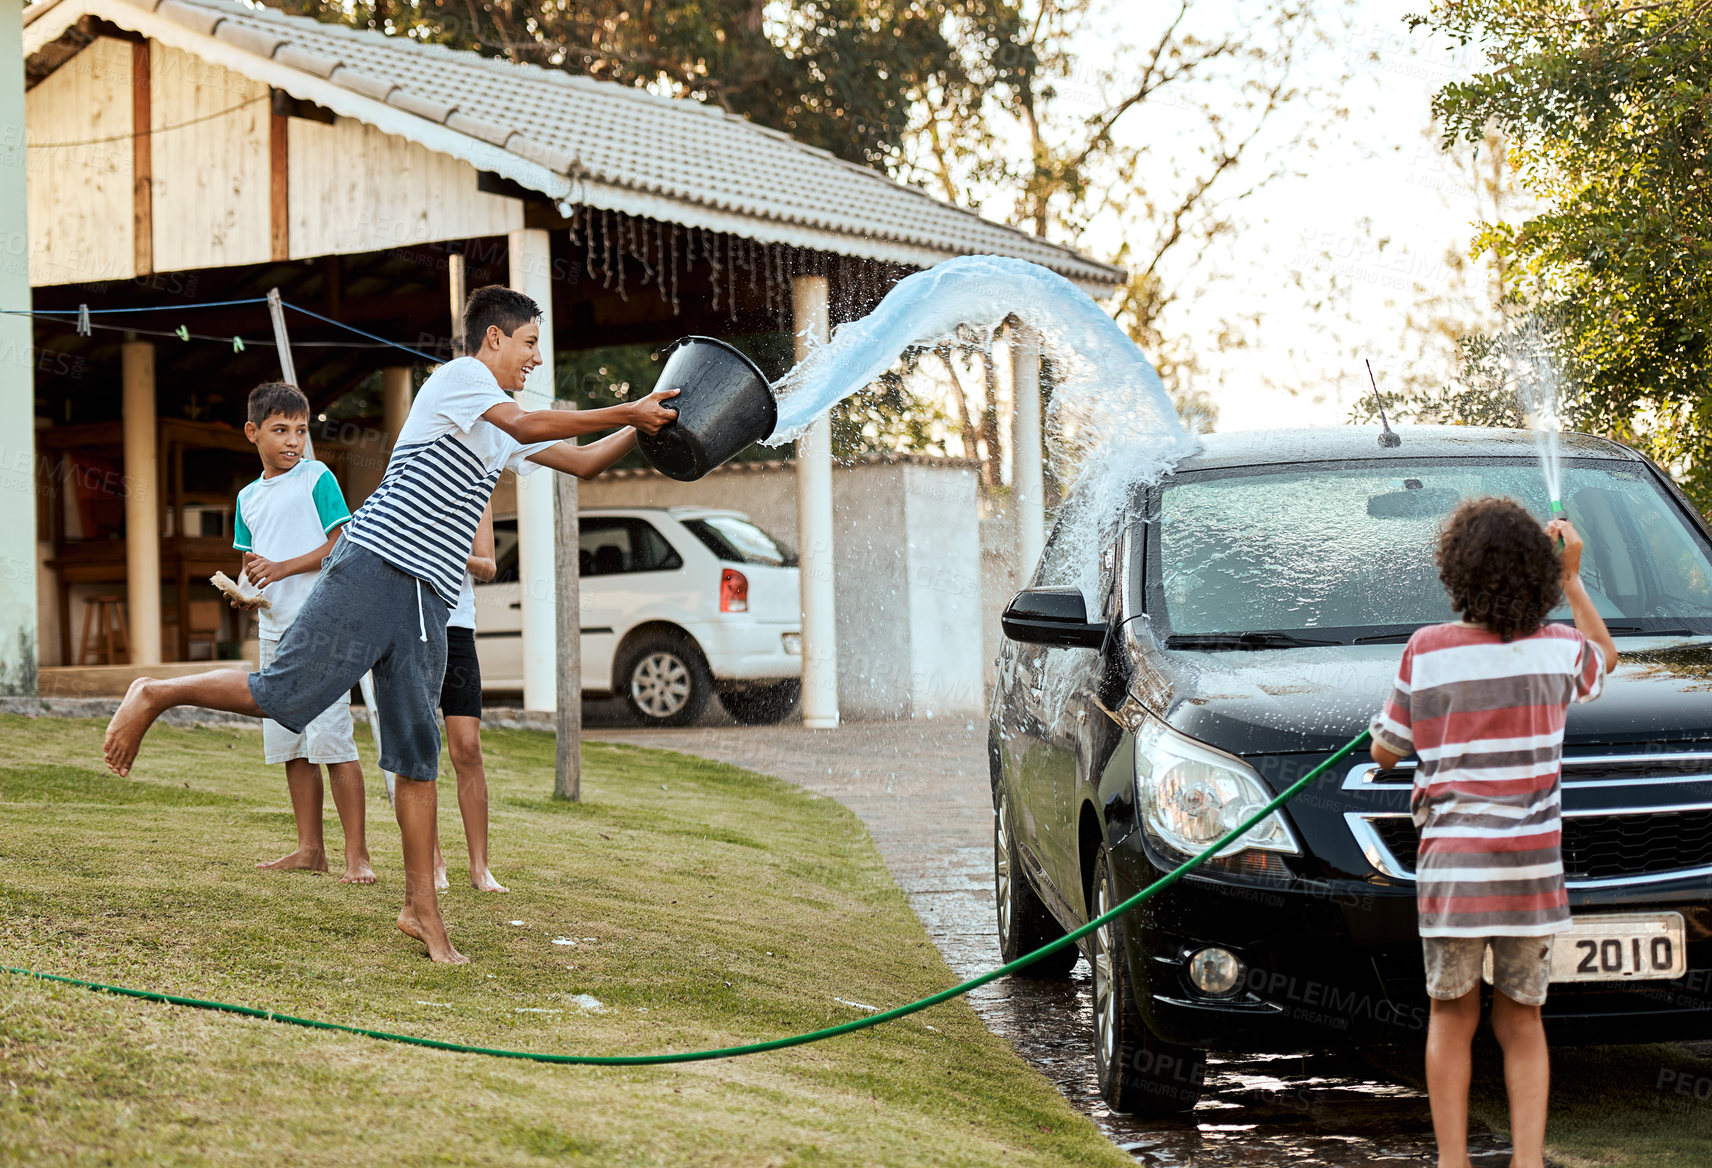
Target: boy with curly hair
[[1482, 702]]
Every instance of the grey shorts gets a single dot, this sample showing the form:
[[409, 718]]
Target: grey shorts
[[365, 614], [1521, 966]]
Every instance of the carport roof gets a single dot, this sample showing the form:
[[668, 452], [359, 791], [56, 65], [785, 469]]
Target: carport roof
[[575, 140]]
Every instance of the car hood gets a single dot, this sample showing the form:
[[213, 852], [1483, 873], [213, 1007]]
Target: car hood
[[1315, 699]]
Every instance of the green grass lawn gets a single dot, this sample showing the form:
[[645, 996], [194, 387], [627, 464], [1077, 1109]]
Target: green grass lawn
[[1615, 1106], [708, 906], [1611, 1106]]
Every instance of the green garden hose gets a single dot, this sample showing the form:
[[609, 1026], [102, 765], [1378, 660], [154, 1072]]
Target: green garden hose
[[691, 1056]]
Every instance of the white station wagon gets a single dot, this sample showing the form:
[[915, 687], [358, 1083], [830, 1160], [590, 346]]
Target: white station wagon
[[679, 604]]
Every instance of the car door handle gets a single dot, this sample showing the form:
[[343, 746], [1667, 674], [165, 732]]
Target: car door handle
[[515, 604]]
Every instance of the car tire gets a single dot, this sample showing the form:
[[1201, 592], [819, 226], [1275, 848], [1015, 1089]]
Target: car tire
[[1138, 1073], [666, 682], [1025, 923], [764, 705]]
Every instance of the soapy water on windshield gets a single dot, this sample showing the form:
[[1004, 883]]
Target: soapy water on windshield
[[1109, 430]]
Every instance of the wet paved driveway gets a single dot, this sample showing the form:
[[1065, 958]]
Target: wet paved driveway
[[922, 790]]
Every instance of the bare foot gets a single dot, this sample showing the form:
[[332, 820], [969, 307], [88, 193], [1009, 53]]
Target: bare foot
[[357, 870], [302, 860], [130, 722], [439, 948], [483, 881]]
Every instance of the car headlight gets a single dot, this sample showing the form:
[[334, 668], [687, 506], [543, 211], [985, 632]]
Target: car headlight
[[1191, 795]]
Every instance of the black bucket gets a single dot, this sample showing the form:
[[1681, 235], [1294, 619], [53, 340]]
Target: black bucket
[[724, 403]]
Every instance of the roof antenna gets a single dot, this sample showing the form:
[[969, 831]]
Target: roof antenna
[[1387, 438]]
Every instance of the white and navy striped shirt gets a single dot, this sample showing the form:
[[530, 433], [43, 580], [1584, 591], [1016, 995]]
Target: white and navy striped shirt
[[422, 518]]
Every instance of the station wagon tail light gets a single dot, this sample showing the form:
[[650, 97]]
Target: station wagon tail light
[[1190, 795], [733, 591]]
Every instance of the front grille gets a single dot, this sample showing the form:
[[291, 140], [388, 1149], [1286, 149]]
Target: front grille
[[1599, 847]]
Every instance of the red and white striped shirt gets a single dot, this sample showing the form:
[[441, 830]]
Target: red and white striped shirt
[[1485, 717]]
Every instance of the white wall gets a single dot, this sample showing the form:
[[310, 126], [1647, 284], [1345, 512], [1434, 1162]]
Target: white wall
[[81, 205], [212, 190], [908, 574], [355, 189], [350, 187], [17, 366]]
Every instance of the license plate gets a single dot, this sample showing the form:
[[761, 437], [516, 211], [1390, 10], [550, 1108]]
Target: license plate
[[1617, 947]]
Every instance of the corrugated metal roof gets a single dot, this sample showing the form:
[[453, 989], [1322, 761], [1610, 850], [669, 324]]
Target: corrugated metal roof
[[595, 142]]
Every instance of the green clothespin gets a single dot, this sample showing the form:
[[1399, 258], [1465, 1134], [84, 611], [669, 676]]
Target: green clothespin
[[237, 344], [183, 333]]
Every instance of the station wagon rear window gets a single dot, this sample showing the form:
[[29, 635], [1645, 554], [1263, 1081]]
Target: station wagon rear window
[[1347, 549], [737, 541]]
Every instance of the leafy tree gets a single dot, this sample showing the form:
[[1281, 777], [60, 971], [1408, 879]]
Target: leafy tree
[[1158, 141], [1608, 107], [886, 416]]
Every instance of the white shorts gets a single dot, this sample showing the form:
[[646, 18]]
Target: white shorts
[[327, 739]]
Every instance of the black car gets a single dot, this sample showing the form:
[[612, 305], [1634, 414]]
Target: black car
[[1248, 619]]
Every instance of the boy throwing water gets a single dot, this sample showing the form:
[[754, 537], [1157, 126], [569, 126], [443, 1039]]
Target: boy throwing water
[[384, 596], [460, 692], [1482, 702], [287, 523]]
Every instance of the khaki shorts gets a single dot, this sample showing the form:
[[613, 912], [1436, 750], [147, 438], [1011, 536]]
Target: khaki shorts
[[328, 738], [1521, 966]]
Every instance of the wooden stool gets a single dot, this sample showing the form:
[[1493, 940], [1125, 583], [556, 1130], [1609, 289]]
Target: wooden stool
[[114, 635]]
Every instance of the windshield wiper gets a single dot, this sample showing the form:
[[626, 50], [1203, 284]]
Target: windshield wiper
[[1638, 631], [1383, 638], [1241, 641]]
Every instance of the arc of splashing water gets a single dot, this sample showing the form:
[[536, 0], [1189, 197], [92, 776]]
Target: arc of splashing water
[[1111, 426], [1096, 357]]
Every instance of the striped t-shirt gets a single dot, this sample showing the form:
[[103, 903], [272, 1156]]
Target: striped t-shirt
[[422, 518], [1485, 718]]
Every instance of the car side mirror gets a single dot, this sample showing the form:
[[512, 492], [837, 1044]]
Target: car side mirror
[[1052, 616]]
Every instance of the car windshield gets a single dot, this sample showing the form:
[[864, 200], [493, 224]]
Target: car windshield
[[737, 540], [1346, 550]]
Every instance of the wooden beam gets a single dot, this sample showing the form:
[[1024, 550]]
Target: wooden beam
[[279, 184], [142, 159]]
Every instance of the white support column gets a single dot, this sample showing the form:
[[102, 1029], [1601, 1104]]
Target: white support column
[[142, 502], [1028, 477], [812, 323], [532, 275], [18, 499]]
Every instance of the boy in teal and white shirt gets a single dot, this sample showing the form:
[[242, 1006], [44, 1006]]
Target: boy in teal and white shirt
[[287, 523]]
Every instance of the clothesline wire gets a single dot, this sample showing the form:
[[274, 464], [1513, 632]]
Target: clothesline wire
[[247, 341], [361, 333], [145, 308], [72, 316]]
